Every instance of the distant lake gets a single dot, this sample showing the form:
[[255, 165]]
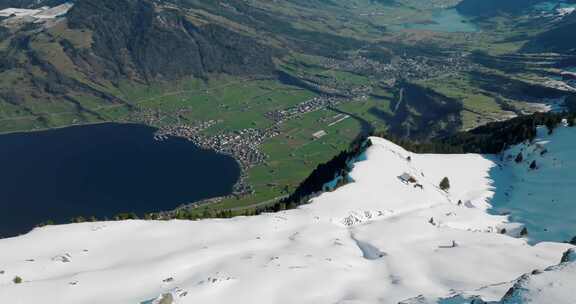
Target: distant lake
[[443, 20], [102, 170]]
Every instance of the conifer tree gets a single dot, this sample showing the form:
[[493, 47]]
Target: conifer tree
[[445, 184], [519, 158]]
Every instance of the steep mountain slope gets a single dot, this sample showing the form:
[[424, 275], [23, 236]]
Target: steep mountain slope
[[557, 39], [524, 185], [380, 239], [141, 39], [550, 285], [423, 113], [73, 65]]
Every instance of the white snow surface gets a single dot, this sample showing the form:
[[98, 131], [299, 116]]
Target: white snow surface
[[541, 199], [554, 284], [377, 240], [18, 12], [38, 14]]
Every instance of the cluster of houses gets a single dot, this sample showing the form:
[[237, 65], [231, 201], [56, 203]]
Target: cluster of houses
[[157, 117], [310, 105], [317, 103], [182, 130], [242, 145], [402, 67]]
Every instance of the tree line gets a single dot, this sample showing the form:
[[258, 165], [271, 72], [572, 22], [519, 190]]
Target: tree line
[[491, 138]]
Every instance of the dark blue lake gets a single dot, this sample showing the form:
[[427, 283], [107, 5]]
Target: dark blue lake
[[102, 170]]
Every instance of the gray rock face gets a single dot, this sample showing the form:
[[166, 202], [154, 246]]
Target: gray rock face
[[569, 256]]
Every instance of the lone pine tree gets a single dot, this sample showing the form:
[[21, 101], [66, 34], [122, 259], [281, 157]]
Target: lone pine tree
[[445, 184]]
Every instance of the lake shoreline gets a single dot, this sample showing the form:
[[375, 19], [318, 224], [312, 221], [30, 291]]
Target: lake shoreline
[[101, 170]]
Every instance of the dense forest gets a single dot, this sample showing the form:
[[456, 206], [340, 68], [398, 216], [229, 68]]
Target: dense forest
[[491, 138]]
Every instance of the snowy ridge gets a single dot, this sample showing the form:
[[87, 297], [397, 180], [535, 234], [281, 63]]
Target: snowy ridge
[[551, 285], [40, 14], [380, 239]]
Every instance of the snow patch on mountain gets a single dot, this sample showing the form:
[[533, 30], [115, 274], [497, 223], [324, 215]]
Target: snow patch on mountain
[[40, 15]]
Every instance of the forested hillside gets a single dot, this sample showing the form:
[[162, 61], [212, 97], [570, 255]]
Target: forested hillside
[[137, 39]]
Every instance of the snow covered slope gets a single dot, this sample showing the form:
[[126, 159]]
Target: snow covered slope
[[541, 198], [37, 14], [554, 284], [377, 240]]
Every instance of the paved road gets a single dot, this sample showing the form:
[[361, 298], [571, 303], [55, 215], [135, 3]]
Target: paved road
[[400, 99]]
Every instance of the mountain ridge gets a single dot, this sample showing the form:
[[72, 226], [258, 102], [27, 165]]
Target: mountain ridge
[[162, 43]]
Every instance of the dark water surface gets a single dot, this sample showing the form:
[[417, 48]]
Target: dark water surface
[[102, 170]]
